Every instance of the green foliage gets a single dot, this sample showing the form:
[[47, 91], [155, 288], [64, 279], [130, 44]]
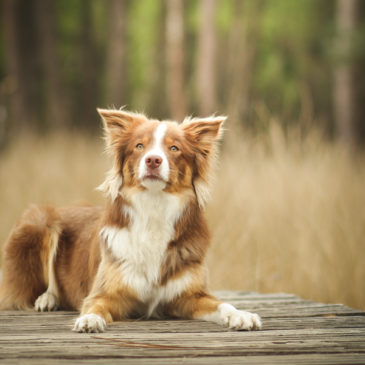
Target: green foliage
[[294, 57], [224, 16], [143, 32], [68, 24], [292, 54]]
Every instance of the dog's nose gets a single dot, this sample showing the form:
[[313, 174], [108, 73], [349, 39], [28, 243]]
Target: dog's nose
[[153, 161]]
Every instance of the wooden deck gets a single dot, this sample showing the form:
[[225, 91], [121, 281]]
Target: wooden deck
[[295, 331]]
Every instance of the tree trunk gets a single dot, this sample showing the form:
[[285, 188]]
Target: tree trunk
[[242, 50], [359, 74], [89, 73], [157, 79], [57, 107], [344, 83], [16, 95], [206, 71], [115, 56], [21, 60], [175, 59]]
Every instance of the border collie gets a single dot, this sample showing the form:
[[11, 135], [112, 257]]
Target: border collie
[[142, 254]]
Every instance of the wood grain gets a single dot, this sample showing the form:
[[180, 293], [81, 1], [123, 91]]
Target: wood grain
[[295, 331]]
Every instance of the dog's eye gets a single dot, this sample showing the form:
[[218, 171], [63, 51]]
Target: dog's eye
[[174, 148], [139, 146]]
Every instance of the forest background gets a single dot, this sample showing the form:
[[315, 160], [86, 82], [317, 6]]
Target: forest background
[[288, 207]]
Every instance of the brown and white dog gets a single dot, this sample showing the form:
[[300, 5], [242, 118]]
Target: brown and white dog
[[142, 255]]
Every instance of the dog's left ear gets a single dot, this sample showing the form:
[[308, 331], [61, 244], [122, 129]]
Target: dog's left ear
[[203, 132], [202, 135]]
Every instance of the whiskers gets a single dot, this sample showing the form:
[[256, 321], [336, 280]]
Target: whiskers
[[177, 171], [133, 173]]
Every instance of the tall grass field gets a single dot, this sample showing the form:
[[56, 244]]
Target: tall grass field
[[287, 212]]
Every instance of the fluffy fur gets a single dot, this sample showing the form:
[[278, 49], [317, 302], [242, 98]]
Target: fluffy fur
[[142, 255]]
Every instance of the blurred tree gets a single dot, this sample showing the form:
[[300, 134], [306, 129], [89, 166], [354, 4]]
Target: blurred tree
[[21, 58], [344, 76], [175, 59], [17, 97], [293, 64], [145, 56], [57, 105], [157, 83], [116, 75], [242, 54], [254, 60], [90, 75], [206, 66], [359, 70], [346, 99]]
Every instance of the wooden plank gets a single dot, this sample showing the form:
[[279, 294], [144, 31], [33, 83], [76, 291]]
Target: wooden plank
[[233, 360], [295, 331]]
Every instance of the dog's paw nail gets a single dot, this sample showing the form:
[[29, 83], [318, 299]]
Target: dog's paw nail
[[239, 320], [46, 302], [90, 323]]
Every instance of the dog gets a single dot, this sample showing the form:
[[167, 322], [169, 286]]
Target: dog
[[142, 254]]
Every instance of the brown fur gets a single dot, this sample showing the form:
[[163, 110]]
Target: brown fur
[[188, 247], [109, 298], [26, 251]]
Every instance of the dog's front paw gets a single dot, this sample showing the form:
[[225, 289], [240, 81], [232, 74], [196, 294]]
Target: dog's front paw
[[90, 323], [237, 319], [46, 302]]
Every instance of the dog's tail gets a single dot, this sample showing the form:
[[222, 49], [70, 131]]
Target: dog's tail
[[28, 258]]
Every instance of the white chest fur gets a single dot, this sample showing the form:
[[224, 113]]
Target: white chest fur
[[141, 247]]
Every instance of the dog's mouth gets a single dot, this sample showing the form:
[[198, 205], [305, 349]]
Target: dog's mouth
[[153, 181], [153, 175]]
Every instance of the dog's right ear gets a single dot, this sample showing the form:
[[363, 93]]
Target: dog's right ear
[[117, 123]]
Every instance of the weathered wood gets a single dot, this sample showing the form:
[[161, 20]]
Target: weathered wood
[[295, 331]]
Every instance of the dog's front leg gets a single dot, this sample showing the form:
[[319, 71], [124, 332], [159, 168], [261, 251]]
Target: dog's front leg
[[102, 308], [94, 316], [203, 306]]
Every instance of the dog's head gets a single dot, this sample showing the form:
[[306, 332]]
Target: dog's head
[[160, 156]]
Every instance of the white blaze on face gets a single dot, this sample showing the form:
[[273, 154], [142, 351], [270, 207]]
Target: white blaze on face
[[155, 151]]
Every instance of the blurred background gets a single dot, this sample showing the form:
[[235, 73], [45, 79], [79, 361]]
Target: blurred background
[[288, 206]]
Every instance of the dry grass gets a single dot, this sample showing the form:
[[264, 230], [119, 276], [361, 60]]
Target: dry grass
[[289, 215], [285, 216], [60, 169]]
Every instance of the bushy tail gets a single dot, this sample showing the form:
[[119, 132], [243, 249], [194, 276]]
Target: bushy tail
[[26, 258]]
